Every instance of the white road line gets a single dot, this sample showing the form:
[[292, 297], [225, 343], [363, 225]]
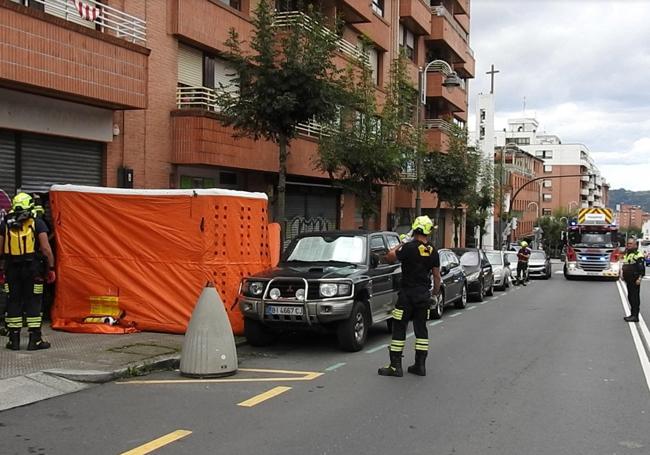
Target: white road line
[[559, 272], [638, 343], [431, 324], [455, 314], [482, 303], [473, 307], [375, 349], [642, 324], [335, 366]]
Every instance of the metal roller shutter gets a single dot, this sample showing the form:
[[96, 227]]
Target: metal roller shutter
[[7, 162], [190, 66], [311, 211], [48, 160]]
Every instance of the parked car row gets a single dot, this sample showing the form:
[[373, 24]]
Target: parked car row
[[340, 282]]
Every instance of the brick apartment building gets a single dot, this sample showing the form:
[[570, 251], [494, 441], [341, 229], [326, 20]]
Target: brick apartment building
[[586, 187], [517, 168], [120, 94], [631, 216]]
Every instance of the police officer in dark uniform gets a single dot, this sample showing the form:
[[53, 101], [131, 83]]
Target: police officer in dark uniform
[[633, 271], [420, 261]]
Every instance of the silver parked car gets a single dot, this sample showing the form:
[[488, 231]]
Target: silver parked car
[[539, 265], [500, 266]]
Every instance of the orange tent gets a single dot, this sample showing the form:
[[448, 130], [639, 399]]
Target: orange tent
[[145, 255]]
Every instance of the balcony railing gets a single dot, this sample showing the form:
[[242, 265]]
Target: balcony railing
[[437, 123], [205, 98], [93, 14], [441, 11], [292, 18]]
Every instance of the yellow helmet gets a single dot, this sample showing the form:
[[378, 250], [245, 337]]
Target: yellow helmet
[[423, 224], [524, 244], [22, 202]]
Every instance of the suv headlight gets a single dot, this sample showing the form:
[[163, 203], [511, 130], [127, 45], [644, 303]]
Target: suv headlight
[[253, 288], [329, 290]]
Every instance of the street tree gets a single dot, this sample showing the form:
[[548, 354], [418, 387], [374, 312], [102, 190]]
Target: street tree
[[481, 199], [368, 145], [287, 78], [452, 175]]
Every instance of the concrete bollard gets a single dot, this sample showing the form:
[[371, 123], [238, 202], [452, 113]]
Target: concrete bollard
[[209, 348]]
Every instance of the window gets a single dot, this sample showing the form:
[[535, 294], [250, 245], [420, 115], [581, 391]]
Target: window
[[219, 75], [482, 133], [190, 66], [539, 153], [548, 154], [546, 212], [482, 114], [189, 182], [407, 42], [236, 4], [547, 197], [373, 60], [548, 168], [378, 7], [548, 183], [377, 243], [521, 140], [393, 241]]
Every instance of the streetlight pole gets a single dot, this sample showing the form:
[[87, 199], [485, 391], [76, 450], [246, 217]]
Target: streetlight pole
[[451, 80]]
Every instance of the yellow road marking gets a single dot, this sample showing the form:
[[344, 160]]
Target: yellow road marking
[[299, 376], [158, 443], [257, 399]]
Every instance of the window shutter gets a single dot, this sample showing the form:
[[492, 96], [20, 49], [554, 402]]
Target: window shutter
[[190, 66], [410, 39], [223, 75], [373, 58]]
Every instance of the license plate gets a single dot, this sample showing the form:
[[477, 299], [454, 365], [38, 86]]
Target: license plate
[[284, 310], [593, 273]]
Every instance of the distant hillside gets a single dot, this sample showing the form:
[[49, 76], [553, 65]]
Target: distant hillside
[[622, 196]]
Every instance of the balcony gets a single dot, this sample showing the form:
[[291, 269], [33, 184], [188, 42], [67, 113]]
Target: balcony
[[356, 11], [590, 198], [416, 15], [47, 48], [463, 7], [584, 192], [448, 32], [205, 99], [297, 18], [436, 134], [453, 99], [585, 178]]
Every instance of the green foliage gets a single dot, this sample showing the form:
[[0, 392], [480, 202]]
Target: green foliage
[[552, 235], [454, 175], [481, 199], [365, 147], [622, 196], [288, 78]]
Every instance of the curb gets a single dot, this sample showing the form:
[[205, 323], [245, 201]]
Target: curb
[[142, 368]]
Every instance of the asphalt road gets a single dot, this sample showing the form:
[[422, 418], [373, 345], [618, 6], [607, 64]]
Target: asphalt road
[[550, 368]]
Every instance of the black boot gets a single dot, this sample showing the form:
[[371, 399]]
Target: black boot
[[14, 340], [395, 367], [36, 342], [631, 318], [419, 367]]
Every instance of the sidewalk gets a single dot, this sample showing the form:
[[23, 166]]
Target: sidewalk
[[76, 361]]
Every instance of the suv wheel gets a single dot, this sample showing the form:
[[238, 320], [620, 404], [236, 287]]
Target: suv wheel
[[352, 333], [462, 302], [439, 308], [481, 292], [257, 334]]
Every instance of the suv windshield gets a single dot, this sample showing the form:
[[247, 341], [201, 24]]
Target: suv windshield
[[537, 255], [494, 257], [469, 259], [350, 249]]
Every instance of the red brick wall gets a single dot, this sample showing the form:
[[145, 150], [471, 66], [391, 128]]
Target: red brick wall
[[48, 55]]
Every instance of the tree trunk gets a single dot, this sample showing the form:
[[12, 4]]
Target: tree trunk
[[280, 202], [438, 233], [456, 226]]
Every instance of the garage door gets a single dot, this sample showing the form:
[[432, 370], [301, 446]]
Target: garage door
[[49, 160], [7, 162], [311, 209]]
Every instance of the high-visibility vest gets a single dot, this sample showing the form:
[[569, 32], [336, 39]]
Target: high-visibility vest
[[20, 240]]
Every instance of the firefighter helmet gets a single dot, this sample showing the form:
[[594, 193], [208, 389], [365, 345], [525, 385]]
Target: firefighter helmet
[[22, 202], [423, 225]]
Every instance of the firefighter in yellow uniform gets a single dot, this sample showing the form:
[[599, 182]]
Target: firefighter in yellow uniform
[[21, 236], [420, 261]]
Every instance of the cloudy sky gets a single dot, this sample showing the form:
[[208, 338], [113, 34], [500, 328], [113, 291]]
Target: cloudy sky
[[583, 67]]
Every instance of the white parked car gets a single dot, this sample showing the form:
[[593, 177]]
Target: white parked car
[[501, 268]]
